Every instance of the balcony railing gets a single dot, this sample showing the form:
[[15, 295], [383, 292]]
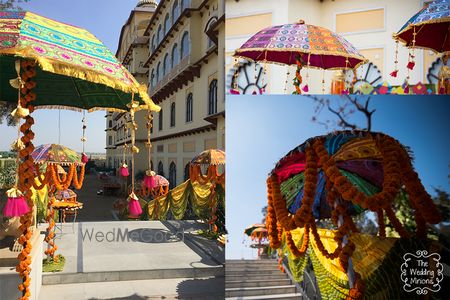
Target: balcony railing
[[183, 64]]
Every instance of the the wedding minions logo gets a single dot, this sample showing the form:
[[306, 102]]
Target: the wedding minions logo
[[422, 272]]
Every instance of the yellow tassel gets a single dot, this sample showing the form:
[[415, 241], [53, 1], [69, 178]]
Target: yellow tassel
[[135, 149], [20, 112], [13, 192], [18, 145]]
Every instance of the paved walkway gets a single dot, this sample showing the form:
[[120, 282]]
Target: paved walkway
[[127, 245], [180, 288]]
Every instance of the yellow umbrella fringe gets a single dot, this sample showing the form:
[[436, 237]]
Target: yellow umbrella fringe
[[81, 73]]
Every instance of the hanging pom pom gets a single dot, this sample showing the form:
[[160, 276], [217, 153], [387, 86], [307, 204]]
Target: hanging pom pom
[[305, 88], [150, 179], [345, 92], [234, 92], [84, 158], [394, 73], [20, 112], [16, 205], [411, 65], [124, 171], [134, 207]]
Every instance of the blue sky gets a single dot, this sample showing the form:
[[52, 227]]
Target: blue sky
[[262, 129], [103, 18]]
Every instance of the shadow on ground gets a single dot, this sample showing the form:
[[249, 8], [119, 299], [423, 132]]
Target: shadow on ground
[[153, 236], [132, 297], [212, 288]]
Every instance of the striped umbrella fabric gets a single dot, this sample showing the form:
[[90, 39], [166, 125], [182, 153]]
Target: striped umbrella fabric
[[209, 157], [56, 154]]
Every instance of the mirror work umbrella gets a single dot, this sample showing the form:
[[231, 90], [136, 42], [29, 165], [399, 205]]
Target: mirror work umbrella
[[303, 45], [49, 64]]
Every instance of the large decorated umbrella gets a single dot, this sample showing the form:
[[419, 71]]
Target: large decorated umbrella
[[338, 175], [429, 28], [65, 195], [209, 157], [303, 45], [55, 154], [75, 69], [258, 235], [248, 231]]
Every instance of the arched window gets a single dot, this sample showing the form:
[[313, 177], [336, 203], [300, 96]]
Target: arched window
[[185, 44], [110, 140], [175, 11], [212, 97], [166, 65], [160, 120], [160, 168], [151, 165], [152, 79], [172, 175], [189, 106], [153, 44], [175, 56], [160, 34], [211, 23], [110, 123], [166, 24], [172, 114], [186, 172], [159, 73]]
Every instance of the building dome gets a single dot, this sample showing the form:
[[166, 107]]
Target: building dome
[[151, 3]]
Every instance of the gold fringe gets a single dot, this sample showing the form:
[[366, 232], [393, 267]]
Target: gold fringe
[[57, 67]]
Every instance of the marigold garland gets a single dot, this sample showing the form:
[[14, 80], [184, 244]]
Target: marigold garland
[[26, 176], [50, 234]]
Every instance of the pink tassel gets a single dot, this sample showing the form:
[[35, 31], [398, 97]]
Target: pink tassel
[[345, 92], [406, 89], [305, 88], [411, 65], [84, 158], [124, 171], [150, 181], [134, 207], [234, 92], [15, 207], [394, 73], [262, 91]]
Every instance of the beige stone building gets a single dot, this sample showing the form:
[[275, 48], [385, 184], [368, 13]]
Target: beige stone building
[[186, 78], [367, 24], [177, 48], [132, 51]]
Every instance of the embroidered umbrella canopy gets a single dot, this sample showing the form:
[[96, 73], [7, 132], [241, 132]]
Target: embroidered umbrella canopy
[[335, 176], [303, 45], [75, 70], [209, 157], [65, 195], [248, 231], [429, 28], [56, 154]]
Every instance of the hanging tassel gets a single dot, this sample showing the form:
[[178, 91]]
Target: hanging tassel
[[135, 149], [16, 206], [411, 64], [150, 179], [84, 158], [20, 112], [394, 73], [234, 92], [18, 145], [124, 171], [406, 89], [305, 88], [134, 207]]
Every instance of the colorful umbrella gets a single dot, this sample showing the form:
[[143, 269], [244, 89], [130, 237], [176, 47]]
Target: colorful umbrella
[[429, 28], [248, 231], [56, 154], [209, 157], [75, 69], [313, 46], [161, 181], [65, 195]]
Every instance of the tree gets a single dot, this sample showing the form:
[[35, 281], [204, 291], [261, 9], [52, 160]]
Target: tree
[[343, 108], [5, 107], [11, 4]]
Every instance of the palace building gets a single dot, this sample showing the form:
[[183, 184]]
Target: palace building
[[177, 48], [132, 51], [186, 78], [367, 24]]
